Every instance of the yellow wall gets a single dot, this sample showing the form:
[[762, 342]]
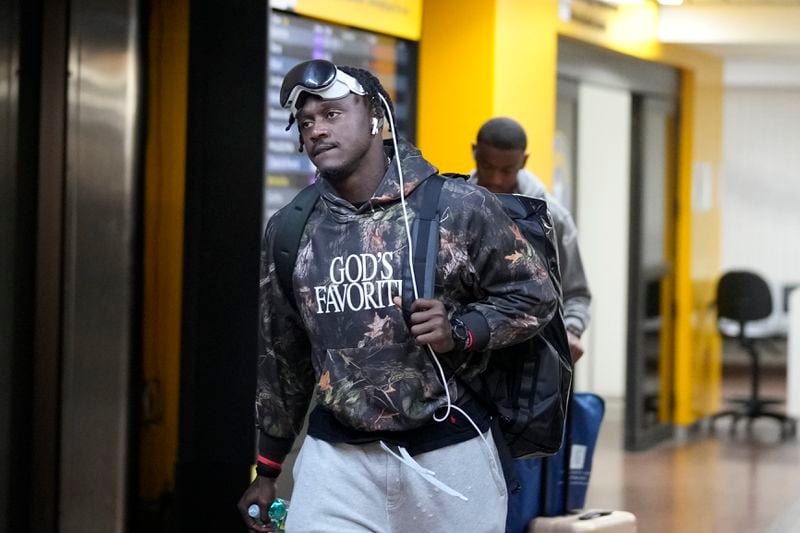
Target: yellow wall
[[168, 41], [498, 57], [525, 87], [482, 60], [456, 62], [698, 361]]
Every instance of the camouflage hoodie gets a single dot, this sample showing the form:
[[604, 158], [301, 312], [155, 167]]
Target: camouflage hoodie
[[349, 343]]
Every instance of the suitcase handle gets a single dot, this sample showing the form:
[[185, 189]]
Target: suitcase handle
[[591, 515]]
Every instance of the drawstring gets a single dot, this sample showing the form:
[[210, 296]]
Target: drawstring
[[427, 475]]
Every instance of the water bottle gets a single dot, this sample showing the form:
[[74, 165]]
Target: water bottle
[[277, 514], [254, 512]]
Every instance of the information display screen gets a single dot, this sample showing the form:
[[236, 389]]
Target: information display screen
[[293, 39]]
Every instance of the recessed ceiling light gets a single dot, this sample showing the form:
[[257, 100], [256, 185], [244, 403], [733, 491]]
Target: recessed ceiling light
[[623, 2]]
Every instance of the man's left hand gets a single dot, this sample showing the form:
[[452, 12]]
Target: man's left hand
[[430, 324], [575, 346]]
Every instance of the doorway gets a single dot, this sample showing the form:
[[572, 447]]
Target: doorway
[[651, 271], [615, 154]]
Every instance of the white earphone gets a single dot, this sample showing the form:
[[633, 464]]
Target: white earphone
[[374, 126]]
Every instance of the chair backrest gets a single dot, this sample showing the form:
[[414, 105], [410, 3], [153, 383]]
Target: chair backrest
[[743, 296]]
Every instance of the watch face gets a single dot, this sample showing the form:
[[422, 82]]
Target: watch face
[[459, 329]]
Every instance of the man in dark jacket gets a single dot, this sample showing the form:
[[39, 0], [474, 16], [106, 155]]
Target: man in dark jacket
[[500, 157], [389, 447]]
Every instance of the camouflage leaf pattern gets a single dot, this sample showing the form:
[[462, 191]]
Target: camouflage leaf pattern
[[350, 342]]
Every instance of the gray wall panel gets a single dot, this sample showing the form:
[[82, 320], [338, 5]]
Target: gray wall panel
[[44, 471], [99, 262], [9, 60]]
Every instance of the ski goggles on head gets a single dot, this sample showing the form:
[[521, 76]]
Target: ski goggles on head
[[319, 77]]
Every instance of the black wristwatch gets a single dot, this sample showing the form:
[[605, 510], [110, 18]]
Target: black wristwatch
[[461, 335]]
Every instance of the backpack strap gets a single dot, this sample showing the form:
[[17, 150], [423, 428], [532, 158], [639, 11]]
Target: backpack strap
[[426, 244], [287, 238], [425, 239]]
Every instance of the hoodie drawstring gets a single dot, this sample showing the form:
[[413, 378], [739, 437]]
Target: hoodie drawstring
[[428, 475]]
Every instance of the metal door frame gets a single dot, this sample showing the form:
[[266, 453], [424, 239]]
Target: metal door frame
[[101, 262], [637, 437]]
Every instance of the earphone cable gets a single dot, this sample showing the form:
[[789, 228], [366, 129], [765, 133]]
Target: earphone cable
[[442, 376]]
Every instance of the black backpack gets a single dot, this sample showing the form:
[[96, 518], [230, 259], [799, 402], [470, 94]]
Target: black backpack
[[527, 385]]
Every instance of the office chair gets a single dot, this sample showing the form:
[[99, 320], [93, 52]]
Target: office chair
[[744, 297]]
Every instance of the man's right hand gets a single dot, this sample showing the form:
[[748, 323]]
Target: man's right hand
[[261, 492]]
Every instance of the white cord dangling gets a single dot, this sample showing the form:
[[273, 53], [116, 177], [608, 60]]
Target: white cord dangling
[[410, 244]]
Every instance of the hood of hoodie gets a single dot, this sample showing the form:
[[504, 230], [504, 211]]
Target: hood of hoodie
[[527, 183], [415, 170]]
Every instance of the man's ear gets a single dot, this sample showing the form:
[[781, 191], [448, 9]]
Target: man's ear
[[525, 160], [475, 151]]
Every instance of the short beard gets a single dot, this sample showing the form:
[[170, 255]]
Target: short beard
[[341, 173], [336, 175]]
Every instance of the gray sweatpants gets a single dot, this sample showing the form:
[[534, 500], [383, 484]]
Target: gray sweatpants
[[342, 488]]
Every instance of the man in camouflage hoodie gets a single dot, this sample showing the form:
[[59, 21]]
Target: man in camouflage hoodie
[[388, 447]]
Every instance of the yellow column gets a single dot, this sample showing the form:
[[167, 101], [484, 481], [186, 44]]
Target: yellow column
[[683, 284], [481, 59], [456, 79], [705, 244], [163, 242], [525, 75]]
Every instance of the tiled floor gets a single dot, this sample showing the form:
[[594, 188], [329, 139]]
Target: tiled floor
[[746, 483]]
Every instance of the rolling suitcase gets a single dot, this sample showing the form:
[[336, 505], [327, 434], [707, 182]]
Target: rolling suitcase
[[565, 476], [592, 520], [552, 486]]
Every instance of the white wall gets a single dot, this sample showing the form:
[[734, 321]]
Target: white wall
[[604, 141], [767, 74], [760, 185], [763, 24]]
